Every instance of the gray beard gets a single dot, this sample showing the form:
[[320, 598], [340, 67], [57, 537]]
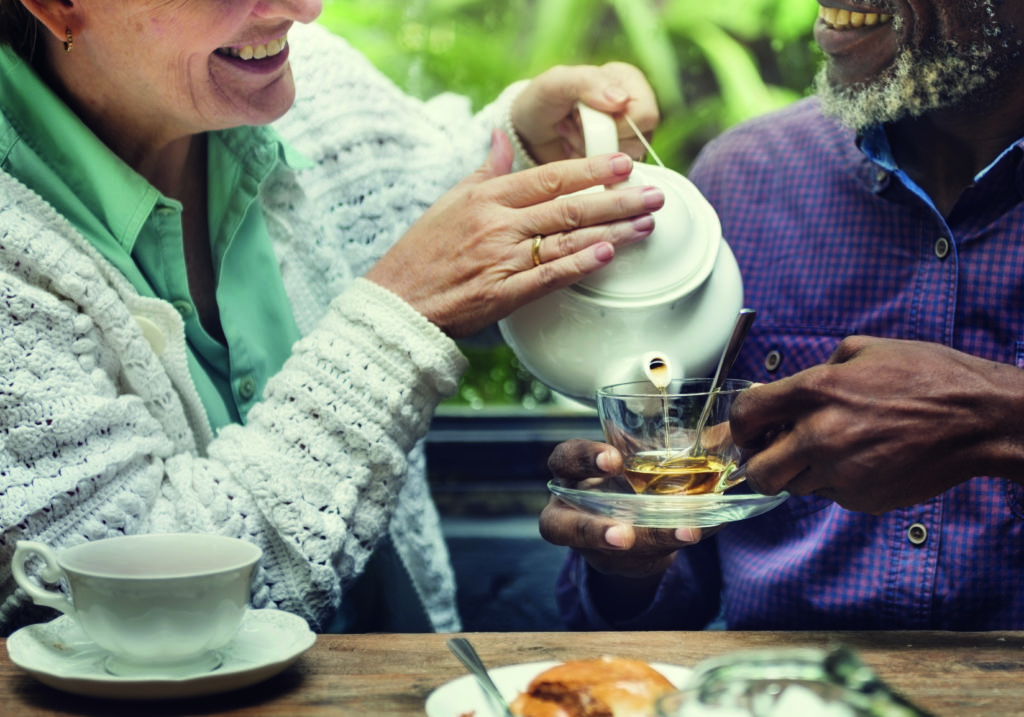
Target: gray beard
[[950, 76]]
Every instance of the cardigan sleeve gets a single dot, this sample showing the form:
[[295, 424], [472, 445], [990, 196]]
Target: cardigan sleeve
[[96, 441]]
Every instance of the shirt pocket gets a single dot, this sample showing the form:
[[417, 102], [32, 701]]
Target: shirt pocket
[[774, 351]]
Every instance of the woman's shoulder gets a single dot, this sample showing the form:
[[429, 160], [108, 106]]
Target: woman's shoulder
[[333, 82], [38, 242], [320, 58]]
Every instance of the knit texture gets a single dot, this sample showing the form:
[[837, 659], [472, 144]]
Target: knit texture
[[100, 436]]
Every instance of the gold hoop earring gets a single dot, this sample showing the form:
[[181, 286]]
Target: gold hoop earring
[[68, 43]]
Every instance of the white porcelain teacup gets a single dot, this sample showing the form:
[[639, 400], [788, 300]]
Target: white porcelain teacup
[[161, 603]]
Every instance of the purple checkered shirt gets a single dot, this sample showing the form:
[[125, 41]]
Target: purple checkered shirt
[[834, 241]]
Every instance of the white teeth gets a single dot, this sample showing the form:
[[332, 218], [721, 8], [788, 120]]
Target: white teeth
[[845, 20], [256, 52]]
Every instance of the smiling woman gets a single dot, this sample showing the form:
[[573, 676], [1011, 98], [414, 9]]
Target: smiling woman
[[230, 301]]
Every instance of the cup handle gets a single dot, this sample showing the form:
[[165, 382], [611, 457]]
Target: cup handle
[[50, 573], [731, 479]]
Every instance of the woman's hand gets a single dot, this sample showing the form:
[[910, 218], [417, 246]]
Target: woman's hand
[[609, 547], [543, 114], [469, 260]]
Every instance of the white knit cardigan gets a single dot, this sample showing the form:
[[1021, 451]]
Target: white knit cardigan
[[102, 431]]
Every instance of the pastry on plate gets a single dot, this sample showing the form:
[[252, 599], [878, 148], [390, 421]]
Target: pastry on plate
[[601, 687]]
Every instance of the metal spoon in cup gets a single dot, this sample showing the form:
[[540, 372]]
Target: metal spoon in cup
[[744, 320]]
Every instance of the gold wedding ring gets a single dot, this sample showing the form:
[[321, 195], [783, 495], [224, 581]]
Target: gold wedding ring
[[535, 249]]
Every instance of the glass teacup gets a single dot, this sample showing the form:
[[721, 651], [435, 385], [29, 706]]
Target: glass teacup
[[657, 434]]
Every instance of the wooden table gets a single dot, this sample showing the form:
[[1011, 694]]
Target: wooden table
[[390, 675]]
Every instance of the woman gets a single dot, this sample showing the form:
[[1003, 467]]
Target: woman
[[185, 343]]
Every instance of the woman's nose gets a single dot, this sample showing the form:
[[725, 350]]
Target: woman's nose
[[297, 10]]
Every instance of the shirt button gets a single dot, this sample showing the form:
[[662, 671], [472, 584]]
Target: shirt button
[[772, 361], [183, 307], [166, 211], [247, 388], [917, 534], [942, 247], [263, 154], [881, 175]]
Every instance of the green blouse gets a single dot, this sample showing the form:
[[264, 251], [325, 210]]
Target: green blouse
[[47, 147]]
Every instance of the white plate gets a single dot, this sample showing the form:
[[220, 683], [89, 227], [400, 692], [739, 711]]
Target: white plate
[[463, 695], [59, 654], [615, 499]]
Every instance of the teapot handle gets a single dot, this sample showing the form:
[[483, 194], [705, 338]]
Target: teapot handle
[[600, 135]]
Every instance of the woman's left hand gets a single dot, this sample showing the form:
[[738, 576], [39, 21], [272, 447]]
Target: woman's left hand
[[543, 114]]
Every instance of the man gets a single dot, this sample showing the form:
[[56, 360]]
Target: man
[[880, 230]]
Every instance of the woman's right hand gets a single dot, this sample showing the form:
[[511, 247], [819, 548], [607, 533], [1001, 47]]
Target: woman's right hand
[[468, 261]]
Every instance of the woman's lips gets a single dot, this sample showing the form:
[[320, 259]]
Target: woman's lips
[[262, 58], [255, 52]]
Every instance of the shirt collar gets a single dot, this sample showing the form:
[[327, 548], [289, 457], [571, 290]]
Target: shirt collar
[[77, 173], [874, 143], [71, 167]]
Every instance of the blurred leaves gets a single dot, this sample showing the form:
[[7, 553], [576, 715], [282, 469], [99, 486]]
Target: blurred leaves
[[712, 64]]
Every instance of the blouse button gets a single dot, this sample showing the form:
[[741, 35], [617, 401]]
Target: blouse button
[[917, 534], [247, 388], [183, 307], [941, 247], [772, 361]]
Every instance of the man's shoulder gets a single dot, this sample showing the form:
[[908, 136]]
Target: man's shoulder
[[793, 130], [790, 140]]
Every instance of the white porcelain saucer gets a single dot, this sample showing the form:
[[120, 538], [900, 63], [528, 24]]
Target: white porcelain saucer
[[59, 654]]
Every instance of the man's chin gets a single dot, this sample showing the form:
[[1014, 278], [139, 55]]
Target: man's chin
[[858, 106], [911, 87]]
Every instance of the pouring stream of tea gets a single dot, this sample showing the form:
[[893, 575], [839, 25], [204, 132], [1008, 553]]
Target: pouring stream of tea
[[744, 320]]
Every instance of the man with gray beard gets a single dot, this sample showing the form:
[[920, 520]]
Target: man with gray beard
[[879, 229]]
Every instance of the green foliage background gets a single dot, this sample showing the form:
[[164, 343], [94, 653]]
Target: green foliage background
[[712, 63]]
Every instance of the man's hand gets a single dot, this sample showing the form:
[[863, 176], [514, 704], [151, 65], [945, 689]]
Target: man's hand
[[883, 424]]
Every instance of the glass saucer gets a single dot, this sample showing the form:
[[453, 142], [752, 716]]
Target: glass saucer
[[613, 498]]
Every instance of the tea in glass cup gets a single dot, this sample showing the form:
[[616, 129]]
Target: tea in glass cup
[[160, 604], [655, 429]]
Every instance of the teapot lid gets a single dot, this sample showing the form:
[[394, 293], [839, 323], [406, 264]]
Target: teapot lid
[[679, 254]]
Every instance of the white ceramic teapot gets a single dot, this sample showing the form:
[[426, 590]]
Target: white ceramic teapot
[[677, 293]]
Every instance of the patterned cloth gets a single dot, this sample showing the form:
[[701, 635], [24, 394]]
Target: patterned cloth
[[102, 431], [832, 243]]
